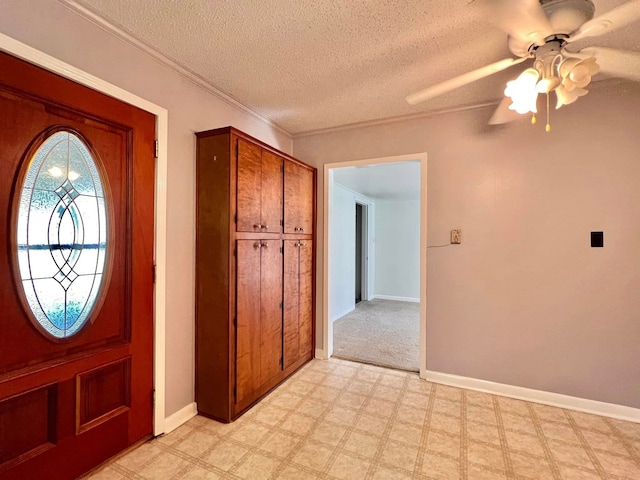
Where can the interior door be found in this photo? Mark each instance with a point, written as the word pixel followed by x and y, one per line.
pixel 76 274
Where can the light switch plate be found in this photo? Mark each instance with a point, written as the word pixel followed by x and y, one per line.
pixel 456 236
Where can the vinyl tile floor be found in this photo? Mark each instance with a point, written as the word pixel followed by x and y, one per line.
pixel 341 420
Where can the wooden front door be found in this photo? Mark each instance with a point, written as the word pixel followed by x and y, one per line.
pixel 76 274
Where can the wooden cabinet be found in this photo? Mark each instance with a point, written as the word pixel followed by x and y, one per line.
pixel 255 293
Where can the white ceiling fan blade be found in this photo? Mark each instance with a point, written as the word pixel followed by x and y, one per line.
pixel 503 114
pixel 462 80
pixel 607 22
pixel 619 63
pixel 523 20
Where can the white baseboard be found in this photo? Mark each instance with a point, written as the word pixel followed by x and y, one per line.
pixel 321 354
pixel 397 299
pixel 339 315
pixel 595 407
pixel 181 416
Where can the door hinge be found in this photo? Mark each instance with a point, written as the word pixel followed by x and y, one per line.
pixel 235 218
pixel 281 223
pixel 235 393
pixel 154 273
pixel 235 252
pixel 281 249
pixel 155 149
pixel 281 305
pixel 235 322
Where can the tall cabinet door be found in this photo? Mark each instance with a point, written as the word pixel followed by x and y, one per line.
pixel 271 193
pixel 270 309
pixel 298 284
pixel 248 374
pixel 298 198
pixel 305 308
pixel 249 188
pixel 259 190
pixel 291 301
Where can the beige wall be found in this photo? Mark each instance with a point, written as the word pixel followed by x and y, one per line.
pixel 54 29
pixel 525 300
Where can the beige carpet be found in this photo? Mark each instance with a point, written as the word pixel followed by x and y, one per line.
pixel 380 332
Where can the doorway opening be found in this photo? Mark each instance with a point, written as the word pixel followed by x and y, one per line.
pixel 375 229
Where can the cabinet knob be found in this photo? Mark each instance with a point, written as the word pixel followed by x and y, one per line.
pixel 303 244
pixel 265 227
pixel 301 229
pixel 257 245
pixel 257 225
pixel 264 244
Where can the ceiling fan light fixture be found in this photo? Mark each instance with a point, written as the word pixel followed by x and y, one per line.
pixel 522 91
pixel 547 84
pixel 565 97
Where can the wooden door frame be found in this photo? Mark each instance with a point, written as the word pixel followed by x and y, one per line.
pixel 327 326
pixel 41 59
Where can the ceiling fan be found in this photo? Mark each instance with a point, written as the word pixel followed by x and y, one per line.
pixel 543 30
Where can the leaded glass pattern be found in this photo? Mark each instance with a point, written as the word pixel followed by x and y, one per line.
pixel 62 234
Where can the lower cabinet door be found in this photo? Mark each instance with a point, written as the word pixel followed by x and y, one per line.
pixel 259 315
pixel 291 301
pixel 305 304
pixel 298 285
pixel 248 318
pixel 270 309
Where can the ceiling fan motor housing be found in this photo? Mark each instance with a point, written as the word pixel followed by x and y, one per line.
pixel 565 17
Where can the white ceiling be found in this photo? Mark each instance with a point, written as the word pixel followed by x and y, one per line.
pixel 315 64
pixel 391 181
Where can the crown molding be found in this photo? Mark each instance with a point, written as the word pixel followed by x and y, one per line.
pixel 120 32
pixel 397 119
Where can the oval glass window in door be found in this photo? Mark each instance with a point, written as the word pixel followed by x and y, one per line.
pixel 62 232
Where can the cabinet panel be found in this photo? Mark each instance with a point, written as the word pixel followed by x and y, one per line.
pixel 291 301
pixel 305 323
pixel 248 376
pixel 249 175
pixel 271 193
pixel 298 198
pixel 270 308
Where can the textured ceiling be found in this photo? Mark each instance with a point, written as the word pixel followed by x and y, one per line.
pixel 310 65
pixel 390 181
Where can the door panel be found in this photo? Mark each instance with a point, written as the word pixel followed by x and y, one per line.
pixel 249 171
pixel 248 318
pixel 298 198
pixel 291 301
pixel 48 387
pixel 306 297
pixel 271 198
pixel 270 308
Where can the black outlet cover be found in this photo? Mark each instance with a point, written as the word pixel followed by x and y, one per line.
pixel 597 239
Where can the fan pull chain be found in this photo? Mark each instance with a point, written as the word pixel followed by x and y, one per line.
pixel 534 120
pixel 548 127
